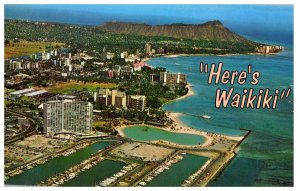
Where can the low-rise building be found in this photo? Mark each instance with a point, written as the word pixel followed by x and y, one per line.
pixel 154 78
pixel 116 70
pixel 46 56
pixel 124 54
pixel 18 78
pixel 13 65
pixel 138 66
pixel 107 55
pixel 23 121
pixel 132 58
pixel 67 62
pixel 268 49
pixel 126 70
pixel 110 73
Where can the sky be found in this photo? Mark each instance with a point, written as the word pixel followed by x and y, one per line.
pixel 267 22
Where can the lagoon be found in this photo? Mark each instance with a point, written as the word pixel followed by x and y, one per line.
pixel 147 133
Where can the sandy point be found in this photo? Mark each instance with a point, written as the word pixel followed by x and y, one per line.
pixel 186 129
pixel 180 127
pixel 189 93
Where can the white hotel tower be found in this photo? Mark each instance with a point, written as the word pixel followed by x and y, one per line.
pixel 68 116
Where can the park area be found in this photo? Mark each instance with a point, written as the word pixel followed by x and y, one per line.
pixel 71 86
pixel 26 48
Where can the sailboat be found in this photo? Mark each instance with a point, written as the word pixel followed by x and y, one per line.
pixel 205 116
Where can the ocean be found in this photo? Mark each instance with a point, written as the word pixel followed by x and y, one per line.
pixel 265 158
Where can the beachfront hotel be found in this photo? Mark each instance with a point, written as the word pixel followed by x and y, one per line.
pixel 169 78
pixel 147 50
pixel 108 97
pixel 137 102
pixel 67 116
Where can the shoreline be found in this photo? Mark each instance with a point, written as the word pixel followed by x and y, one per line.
pixel 205 54
pixel 182 130
pixel 175 116
pixel 180 127
pixel 188 94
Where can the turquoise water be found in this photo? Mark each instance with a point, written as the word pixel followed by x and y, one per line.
pixel 270 144
pixel 179 172
pixel 245 177
pixel 52 167
pixel 144 133
pixel 96 174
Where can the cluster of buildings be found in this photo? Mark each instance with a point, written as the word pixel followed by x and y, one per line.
pixel 148 52
pixel 268 49
pixel 59 57
pixel 72 64
pixel 63 113
pixel 106 97
pixel 12 64
pixel 127 70
pixel 67 115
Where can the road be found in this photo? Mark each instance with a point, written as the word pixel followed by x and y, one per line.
pixel 32 129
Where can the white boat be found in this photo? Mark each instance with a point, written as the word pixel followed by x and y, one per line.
pixel 142 183
pixel 205 116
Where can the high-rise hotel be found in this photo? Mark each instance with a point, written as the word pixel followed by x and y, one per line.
pixel 68 116
pixel 119 99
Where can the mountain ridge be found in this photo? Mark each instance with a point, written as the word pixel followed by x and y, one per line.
pixel 211 30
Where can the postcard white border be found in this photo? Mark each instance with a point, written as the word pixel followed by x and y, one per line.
pixel 296 86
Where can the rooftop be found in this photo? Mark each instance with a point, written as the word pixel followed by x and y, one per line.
pixel 34 93
pixel 22 91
